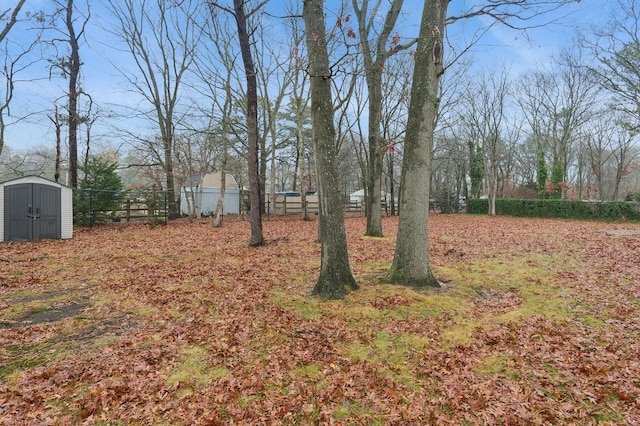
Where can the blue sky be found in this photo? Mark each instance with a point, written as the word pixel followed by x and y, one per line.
pixel 518 51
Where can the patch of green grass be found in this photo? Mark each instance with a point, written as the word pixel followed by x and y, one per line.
pixel 17 358
pixel 306 307
pixel 430 306
pixel 128 304
pixel 531 276
pixel 194 371
pixel 353 409
pixel 312 371
pixel 104 341
pixel 392 351
pixel 387 297
pixel 497 364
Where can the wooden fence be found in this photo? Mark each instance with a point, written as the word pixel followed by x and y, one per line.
pixel 287 204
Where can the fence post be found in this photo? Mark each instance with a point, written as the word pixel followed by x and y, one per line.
pixel 166 206
pixel 91 215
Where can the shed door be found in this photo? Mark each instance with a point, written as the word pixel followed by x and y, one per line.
pixel 32 212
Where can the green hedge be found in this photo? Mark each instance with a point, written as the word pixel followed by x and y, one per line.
pixel 566 209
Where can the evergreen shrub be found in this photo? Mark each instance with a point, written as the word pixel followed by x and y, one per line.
pixel 564 209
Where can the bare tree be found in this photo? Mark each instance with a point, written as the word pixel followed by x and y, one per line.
pixel 225 106
pixel 411 260
pixel 18 163
pixel 609 145
pixel 57 124
pixel 161 40
pixel 617 48
pixel 12 62
pixel 275 75
pixel 555 104
pixel 300 110
pixel 74 91
pixel 255 214
pixel 485 104
pixel 69 66
pixel 9 17
pixel 217 75
pixel 377 46
pixel 396 87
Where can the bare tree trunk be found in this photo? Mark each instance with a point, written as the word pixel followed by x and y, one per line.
pixel 255 214
pixel 335 279
pixel 374 60
pixel 217 214
pixel 411 260
pixel 74 72
pixel 216 222
pixel 58 126
pixel 301 152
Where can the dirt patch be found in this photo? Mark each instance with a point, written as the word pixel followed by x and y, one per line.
pixel 38 330
pixel 52 314
pixel 48 307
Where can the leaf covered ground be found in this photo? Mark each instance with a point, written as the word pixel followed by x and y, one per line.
pixel 538 322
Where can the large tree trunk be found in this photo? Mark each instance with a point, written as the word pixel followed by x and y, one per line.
pixel 335 279
pixel 172 204
pixel 255 214
pixel 411 261
pixel 74 72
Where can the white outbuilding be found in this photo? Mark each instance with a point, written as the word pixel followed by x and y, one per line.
pixel 35 208
pixel 199 196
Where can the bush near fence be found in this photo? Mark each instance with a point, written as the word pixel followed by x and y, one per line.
pixel 565 209
pixel 92 207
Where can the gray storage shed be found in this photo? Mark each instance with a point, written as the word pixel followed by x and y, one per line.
pixel 35 208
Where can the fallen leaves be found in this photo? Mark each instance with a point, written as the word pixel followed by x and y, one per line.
pixel 538 324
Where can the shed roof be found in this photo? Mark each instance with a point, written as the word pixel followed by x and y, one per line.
pixel 211 180
pixel 33 178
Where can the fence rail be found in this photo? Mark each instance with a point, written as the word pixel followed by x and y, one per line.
pixel 286 204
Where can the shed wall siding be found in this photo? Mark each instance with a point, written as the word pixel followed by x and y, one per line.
pixel 207 199
pixel 66 213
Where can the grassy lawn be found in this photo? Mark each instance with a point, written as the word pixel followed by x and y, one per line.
pixel 537 322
